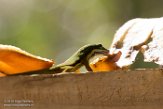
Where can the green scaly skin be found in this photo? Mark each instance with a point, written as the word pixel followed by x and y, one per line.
pixel 76 61
pixel 80 58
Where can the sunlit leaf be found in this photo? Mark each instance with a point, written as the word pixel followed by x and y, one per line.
pixel 14 60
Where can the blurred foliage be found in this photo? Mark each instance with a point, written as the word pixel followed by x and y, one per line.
pixel 57 28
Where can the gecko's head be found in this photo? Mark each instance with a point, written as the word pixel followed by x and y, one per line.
pixel 99 58
pixel 91 50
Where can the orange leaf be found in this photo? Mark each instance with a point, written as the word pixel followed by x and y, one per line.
pixel 106 63
pixel 1 75
pixel 14 60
